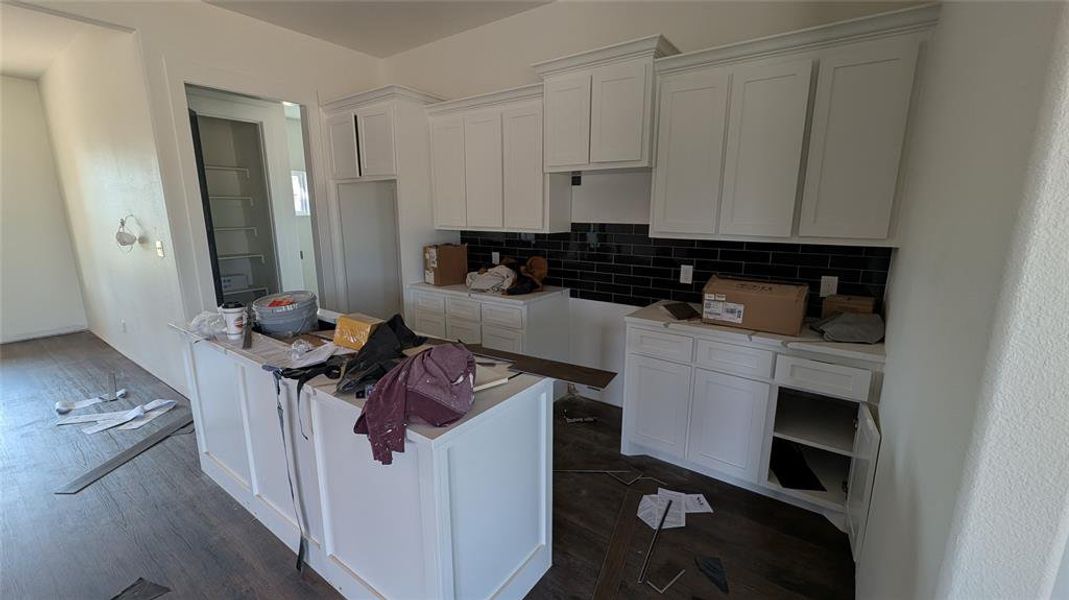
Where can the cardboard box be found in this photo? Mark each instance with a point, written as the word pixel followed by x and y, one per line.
pixel 757 305
pixel 354 330
pixel 445 264
pixel 851 304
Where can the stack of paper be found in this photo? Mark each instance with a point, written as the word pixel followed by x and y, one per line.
pixel 652 506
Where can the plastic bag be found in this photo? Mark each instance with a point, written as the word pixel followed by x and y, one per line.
pixel 208 324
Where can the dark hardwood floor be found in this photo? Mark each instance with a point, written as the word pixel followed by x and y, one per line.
pixel 160 518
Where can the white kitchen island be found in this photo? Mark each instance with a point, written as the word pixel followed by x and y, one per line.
pixel 464 512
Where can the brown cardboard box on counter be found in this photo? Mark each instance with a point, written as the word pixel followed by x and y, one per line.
pixel 851 304
pixel 445 264
pixel 757 305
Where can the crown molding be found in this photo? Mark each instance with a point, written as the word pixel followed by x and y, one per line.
pixel 917 18
pixel 388 92
pixel 516 94
pixel 654 46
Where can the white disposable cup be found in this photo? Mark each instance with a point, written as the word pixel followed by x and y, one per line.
pixel 234 317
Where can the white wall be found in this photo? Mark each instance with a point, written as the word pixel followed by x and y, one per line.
pixel 498 55
pixel 124 145
pixel 964 173
pixel 194 42
pixel 94 95
pixel 39 289
pixel 612 198
pixel 1012 520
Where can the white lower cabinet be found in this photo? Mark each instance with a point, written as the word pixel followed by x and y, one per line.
pixel 534 324
pixel 727 423
pixel 659 394
pixel 717 411
pixel 500 338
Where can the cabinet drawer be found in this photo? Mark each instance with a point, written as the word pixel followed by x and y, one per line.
pixel 429 303
pixel 430 324
pixel 499 338
pixel 506 316
pixel 463 308
pixel 662 345
pixel 739 360
pixel 813 376
pixel 465 331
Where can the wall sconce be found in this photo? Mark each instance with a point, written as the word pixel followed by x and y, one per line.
pixel 124 238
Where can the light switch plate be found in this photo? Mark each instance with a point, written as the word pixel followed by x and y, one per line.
pixel 686 274
pixel 159 248
pixel 829 286
pixel 495 257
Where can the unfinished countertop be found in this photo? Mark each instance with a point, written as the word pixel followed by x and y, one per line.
pixel 462 290
pixel 807 341
pixel 266 350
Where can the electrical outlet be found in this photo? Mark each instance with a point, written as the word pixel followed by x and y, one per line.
pixel 495 257
pixel 159 248
pixel 829 286
pixel 686 274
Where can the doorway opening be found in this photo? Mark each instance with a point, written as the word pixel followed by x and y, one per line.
pixel 257 201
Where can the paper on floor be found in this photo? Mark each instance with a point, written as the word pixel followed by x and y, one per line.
pixel 125 419
pixel 651 509
pixel 696 503
pixel 161 406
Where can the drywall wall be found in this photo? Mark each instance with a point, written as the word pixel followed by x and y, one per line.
pixel 94 96
pixel 599 340
pixel 194 42
pixel 39 296
pixel 612 198
pixel 1061 583
pixel 1012 521
pixel 980 87
pixel 498 55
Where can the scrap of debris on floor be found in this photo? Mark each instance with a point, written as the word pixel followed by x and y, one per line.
pixel 667 509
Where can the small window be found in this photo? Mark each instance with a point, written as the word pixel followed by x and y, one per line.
pixel 300 193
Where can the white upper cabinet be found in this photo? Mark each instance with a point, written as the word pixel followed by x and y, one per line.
pixel 599 106
pixel 447 172
pixel 690 148
pixel 486 165
pixel 522 157
pixel 813 123
pixel 859 124
pixel 374 129
pixel 341 133
pixel 766 127
pixel 619 112
pixel 567 101
pixel 482 169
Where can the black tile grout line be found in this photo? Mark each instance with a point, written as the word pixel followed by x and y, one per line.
pixel 620 263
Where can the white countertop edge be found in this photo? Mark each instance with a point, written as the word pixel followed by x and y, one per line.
pixel 871 353
pixel 460 290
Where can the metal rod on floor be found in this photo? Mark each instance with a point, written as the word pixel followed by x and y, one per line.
pixel 653 540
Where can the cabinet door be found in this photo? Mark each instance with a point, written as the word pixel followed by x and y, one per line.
pixel 341 131
pixel 859 123
pixel 690 151
pixel 659 397
pixel 482 168
pixel 764 147
pixel 447 172
pixel 862 472
pixel 727 423
pixel 619 113
pixel 222 423
pixel 499 338
pixel 567 126
pixel 374 129
pixel 524 201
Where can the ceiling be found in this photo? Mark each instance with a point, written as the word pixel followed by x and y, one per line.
pixel 378 28
pixel 31 40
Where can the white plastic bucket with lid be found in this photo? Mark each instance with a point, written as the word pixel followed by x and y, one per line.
pixel 298 315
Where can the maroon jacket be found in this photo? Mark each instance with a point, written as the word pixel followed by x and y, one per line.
pixel 434 386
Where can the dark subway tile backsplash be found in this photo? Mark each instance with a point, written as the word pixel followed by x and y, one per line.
pixel 621 263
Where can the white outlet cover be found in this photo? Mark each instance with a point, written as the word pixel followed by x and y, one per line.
pixel 159 248
pixel 829 286
pixel 686 274
pixel 495 257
